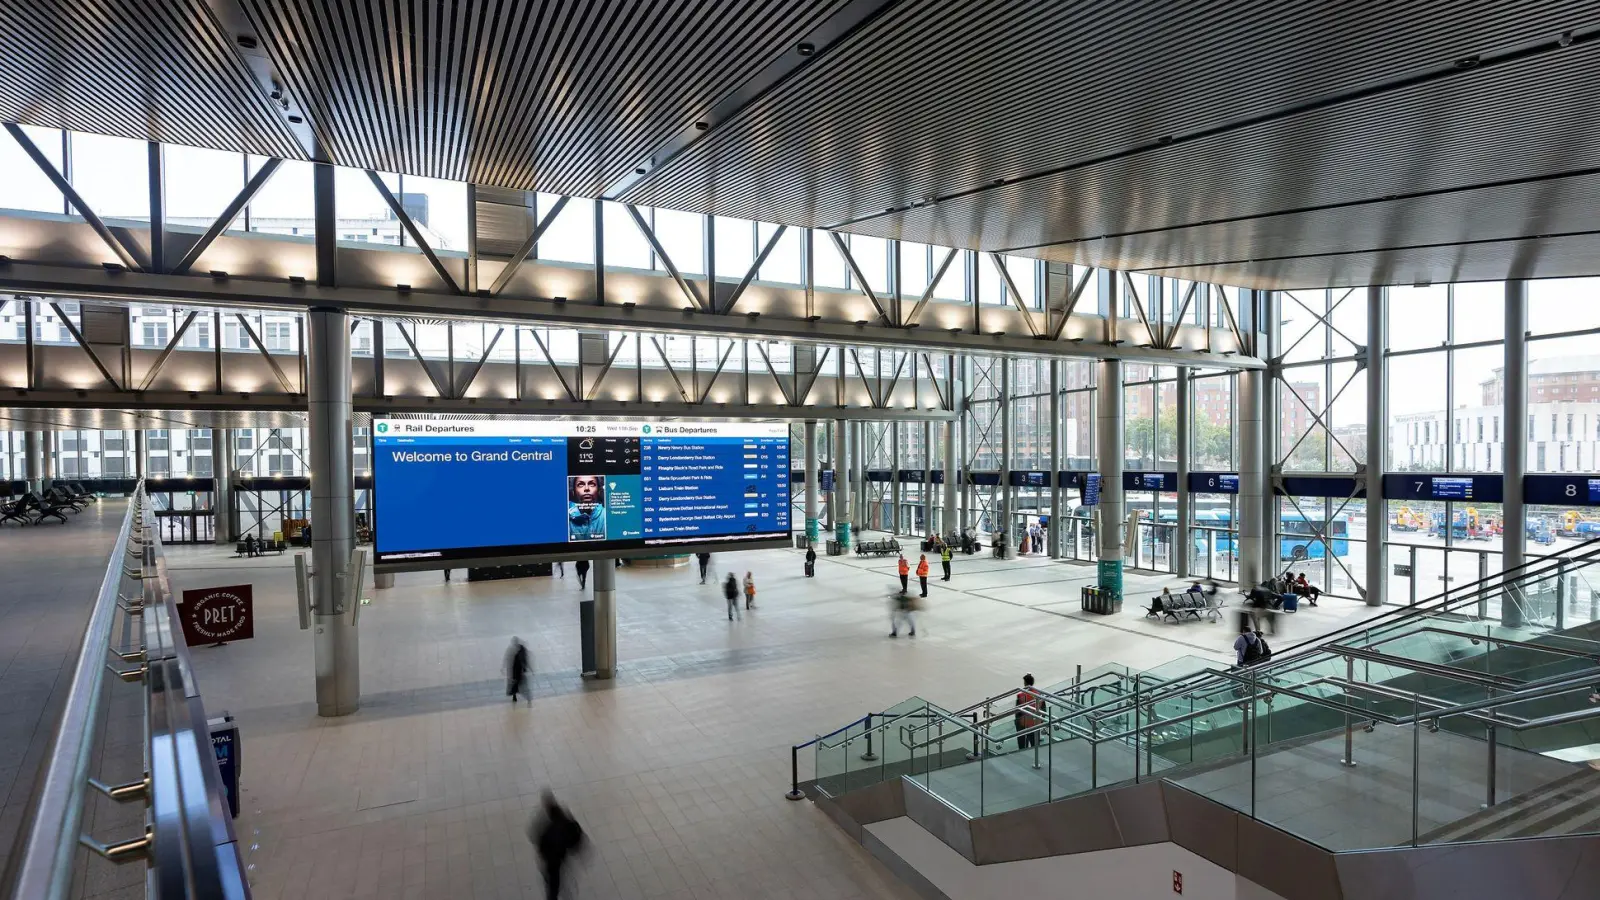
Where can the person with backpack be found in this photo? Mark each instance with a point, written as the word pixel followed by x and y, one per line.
pixel 922 573
pixel 905 573
pixel 1248 648
pixel 730 591
pixel 749 591
pixel 944 560
pixel 811 562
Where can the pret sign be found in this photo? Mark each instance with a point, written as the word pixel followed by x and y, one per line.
pixel 218 614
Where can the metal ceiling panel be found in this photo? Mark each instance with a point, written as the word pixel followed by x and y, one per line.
pixel 70 419
pixel 144 69
pixel 1552 257
pixel 565 96
pixel 939 97
pixel 1522 120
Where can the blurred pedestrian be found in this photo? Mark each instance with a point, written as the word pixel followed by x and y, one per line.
pixel 905 573
pixel 749 591
pixel 516 669
pixel 582 568
pixel 556 836
pixel 705 565
pixel 561 568
pixel 900 607
pixel 730 591
pixel 922 573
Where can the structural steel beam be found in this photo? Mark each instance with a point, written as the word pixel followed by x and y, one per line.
pixel 231 212
pixel 141 287
pixel 649 233
pixel 521 254
pixel 122 250
pixel 415 232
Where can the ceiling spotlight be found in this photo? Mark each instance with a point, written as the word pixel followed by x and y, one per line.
pixel 806 49
pixel 701 126
pixel 1565 40
pixel 689 309
pixel 246 41
pixel 297 280
pixel 559 299
pixel 403 288
pixel 639 171
pixel 295 120
pixel 752 315
pixel 861 323
pixel 813 318
pixel 954 330
pixel 111 267
pixel 219 274
pixel 997 334
pixel 628 304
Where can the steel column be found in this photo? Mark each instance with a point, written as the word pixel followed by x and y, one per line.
pixel 1182 546
pixel 1007 492
pixel 839 504
pixel 813 533
pixel 1253 479
pixel 158 207
pixel 949 516
pixel 326 225
pixel 1377 445
pixel 337 648
pixel 927 480
pixel 222 486
pixel 1514 538
pixel 858 472
pixel 138 453
pixel 605 618
pixel 1109 448
pixel 894 478
pixel 1052 535
pixel 33 449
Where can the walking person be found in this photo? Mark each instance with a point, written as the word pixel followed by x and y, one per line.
pixel 516 669
pixel 749 591
pixel 556 836
pixel 1026 718
pixel 582 568
pixel 561 568
pixel 811 562
pixel 900 606
pixel 922 573
pixel 905 573
pixel 730 591
pixel 944 560
pixel 705 565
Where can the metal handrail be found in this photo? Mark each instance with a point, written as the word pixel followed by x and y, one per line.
pixel 44 861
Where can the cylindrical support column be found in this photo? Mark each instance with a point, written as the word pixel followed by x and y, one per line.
pixel 50 453
pixel 222 486
pixel 1008 494
pixel 840 504
pixel 858 481
pixel 1182 545
pixel 1377 446
pixel 927 480
pixel 813 533
pixel 1514 538
pixel 33 450
pixel 893 524
pixel 1109 448
pixel 138 453
pixel 605 618
pixel 1253 486
pixel 333 534
pixel 949 515
pixel 1052 536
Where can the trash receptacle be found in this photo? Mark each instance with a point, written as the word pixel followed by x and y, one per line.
pixel 586 637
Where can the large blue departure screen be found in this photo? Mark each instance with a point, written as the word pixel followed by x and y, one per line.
pixel 450 490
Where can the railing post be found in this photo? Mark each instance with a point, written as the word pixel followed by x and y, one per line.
pixel 794 774
pixel 1094 753
pixel 869 756
pixel 1135 729
pixel 1416 763
pixel 1349 721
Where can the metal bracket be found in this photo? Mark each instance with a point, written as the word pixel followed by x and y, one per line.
pixel 122 851
pixel 124 793
pixel 129 675
pixel 132 609
pixel 127 655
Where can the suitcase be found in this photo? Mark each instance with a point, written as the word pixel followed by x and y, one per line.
pixel 811 569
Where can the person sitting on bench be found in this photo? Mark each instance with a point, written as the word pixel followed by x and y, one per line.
pixel 1306 589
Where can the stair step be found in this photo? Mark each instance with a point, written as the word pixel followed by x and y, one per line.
pixel 1531 813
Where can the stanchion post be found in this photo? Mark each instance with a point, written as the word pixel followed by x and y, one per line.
pixel 869 756
pixel 794 774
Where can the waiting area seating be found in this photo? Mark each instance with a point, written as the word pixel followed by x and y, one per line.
pixel 35 509
pixel 888 547
pixel 254 546
pixel 1185 606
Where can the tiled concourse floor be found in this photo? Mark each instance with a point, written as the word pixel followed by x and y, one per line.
pixel 677 768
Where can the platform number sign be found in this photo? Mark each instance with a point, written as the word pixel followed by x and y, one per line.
pixel 1177 882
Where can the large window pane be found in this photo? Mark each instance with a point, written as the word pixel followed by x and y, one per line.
pixel 828 265
pixel 285 204
pixel 571 237
pixel 953 285
pixel 1417 317
pixel 112 175
pixel 1563 304
pixel 25 186
pixel 439 208
pixel 1417 408
pixel 735 246
pixel 625 245
pixel 363 215
pixel 1212 407
pixel 200 183
pixel 683 237
pixel 1476 443
pixel 782 265
pixel 1480 311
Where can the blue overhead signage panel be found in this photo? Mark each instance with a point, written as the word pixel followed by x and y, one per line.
pixel 1030 479
pixel 1457 488
pixel 909 476
pixel 826 480
pixel 988 479
pixel 1320 486
pixel 1150 481
pixel 563 487
pixel 1213 483
pixel 1562 490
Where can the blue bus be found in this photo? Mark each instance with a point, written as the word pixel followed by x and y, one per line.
pixel 1298 537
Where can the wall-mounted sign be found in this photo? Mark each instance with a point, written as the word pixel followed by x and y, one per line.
pixel 1091 489
pixel 1213 483
pixel 1463 488
pixel 218 615
pixel 1150 481
pixel 827 481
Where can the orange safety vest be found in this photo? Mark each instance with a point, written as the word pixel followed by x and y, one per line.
pixel 905 567
pixel 1026 703
pixel 922 568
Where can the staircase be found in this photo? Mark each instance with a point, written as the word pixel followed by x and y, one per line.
pixel 1568 806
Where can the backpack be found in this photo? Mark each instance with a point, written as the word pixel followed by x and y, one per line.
pixel 1266 652
pixel 1254 651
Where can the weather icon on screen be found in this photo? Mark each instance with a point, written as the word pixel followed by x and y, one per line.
pixel 586 444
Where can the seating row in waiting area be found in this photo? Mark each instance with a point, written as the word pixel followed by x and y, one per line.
pixel 53 503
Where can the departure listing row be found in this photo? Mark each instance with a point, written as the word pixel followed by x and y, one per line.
pixel 454 490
